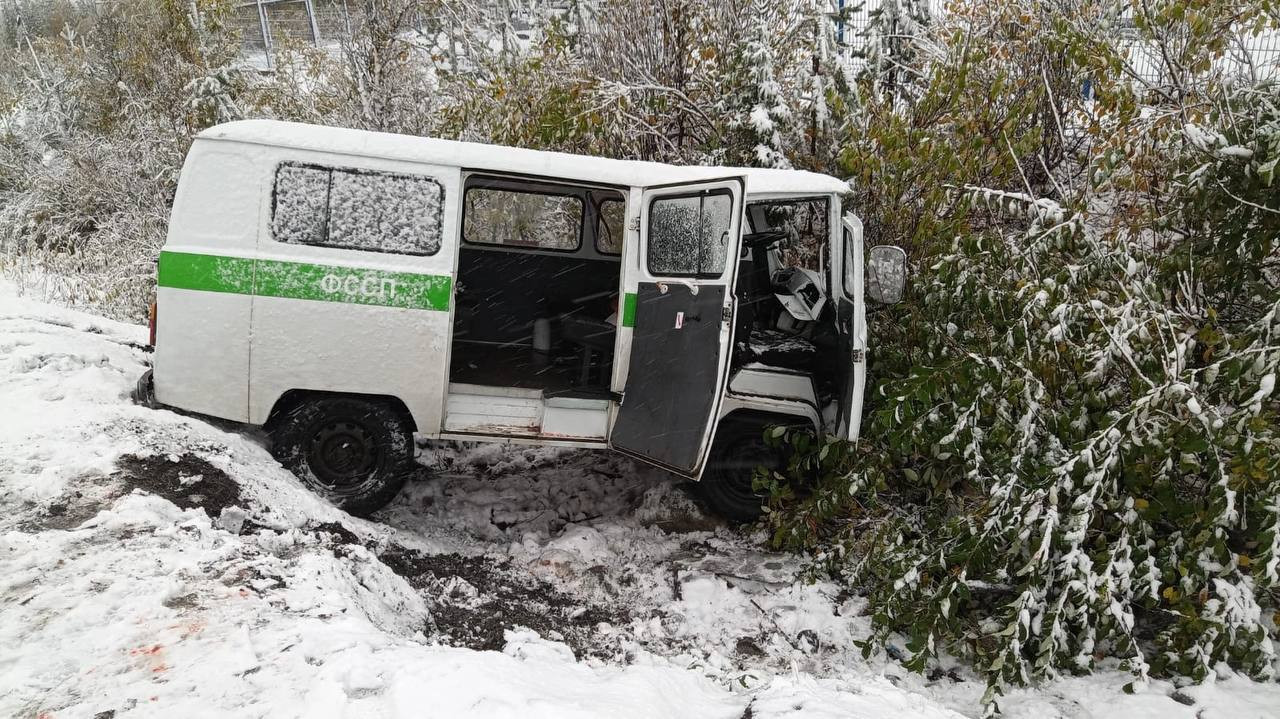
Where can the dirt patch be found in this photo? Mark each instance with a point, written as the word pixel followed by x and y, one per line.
pixel 186 480
pixel 338 533
pixel 476 599
pixel 72 509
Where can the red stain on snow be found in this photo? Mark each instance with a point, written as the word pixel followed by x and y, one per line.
pixel 187 628
pixel 154 649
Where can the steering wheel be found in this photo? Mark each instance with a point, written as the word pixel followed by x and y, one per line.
pixel 765 240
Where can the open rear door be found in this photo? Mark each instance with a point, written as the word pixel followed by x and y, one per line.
pixel 680 346
pixel 851 326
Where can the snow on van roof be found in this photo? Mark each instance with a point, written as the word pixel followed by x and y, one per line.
pixel 478 156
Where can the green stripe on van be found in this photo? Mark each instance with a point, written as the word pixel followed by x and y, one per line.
pixel 629 309
pixel 209 273
pixel 304 281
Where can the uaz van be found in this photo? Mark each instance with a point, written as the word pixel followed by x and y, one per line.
pixel 346 289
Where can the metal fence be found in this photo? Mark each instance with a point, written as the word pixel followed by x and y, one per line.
pixel 265 25
pixel 1255 56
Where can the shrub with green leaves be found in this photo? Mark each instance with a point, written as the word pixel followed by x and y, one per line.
pixel 1083 461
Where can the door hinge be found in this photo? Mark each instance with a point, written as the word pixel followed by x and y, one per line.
pixel 857 356
pixel 617 397
pixel 726 313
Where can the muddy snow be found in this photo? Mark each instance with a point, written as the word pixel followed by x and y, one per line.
pixel 155 564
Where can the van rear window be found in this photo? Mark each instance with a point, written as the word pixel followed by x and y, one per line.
pixel 357 209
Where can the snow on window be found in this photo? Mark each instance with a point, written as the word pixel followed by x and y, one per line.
pixel 302 195
pixel 610 226
pixel 690 235
pixel 357 210
pixel 522 219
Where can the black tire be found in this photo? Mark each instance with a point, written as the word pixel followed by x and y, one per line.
pixel 725 486
pixel 354 452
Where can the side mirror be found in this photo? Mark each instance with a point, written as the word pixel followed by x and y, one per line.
pixel 887 274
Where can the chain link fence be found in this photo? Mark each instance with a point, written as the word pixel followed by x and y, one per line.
pixel 1256 57
pixel 266 24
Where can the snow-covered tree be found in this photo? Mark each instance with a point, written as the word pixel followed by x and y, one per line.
pixel 892 42
pixel 768 114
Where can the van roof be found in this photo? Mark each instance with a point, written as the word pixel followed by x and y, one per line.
pixel 478 156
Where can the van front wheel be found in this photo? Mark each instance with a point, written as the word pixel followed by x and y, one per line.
pixel 726 484
pixel 353 452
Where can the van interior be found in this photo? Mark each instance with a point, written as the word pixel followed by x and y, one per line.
pixel 782 236
pixel 537 306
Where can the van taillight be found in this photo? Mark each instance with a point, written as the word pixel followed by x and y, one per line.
pixel 151 325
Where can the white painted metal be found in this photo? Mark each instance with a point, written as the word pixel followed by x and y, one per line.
pixel 512 411
pixel 343 347
pixel 791 408
pixel 567 417
pixel 477 156
pixel 852 254
pixel 489 410
pixel 201 363
pixel 761 382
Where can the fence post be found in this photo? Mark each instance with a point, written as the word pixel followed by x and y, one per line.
pixel 311 17
pixel 266 31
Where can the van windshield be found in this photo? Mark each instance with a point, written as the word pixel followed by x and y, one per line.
pixel 806 223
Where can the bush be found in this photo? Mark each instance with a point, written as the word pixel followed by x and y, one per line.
pixel 1074 454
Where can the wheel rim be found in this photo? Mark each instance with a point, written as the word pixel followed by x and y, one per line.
pixel 738 465
pixel 342 456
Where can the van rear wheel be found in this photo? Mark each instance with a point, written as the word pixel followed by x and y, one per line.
pixel 726 484
pixel 353 452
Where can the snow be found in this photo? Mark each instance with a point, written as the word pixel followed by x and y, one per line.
pixel 115 599
pixel 687 235
pixel 360 210
pixel 478 156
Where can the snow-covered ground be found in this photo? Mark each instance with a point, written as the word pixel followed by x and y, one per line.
pixel 153 564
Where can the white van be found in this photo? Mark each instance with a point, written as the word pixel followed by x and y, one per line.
pixel 347 289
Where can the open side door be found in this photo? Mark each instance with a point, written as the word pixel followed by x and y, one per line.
pixel 851 327
pixel 682 338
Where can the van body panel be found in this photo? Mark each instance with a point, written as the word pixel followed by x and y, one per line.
pixel 345 320
pixel 201 362
pixel 339 347
pixel 801 410
pixel 771 383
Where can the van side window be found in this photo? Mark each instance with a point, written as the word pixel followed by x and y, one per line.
pixel 610 222
pixel 536 220
pixel 357 209
pixel 688 234
pixel 850 266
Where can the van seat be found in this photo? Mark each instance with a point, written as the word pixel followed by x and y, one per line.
pixel 779 349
